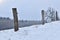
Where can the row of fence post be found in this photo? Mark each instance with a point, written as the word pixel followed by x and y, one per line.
pixel 16 18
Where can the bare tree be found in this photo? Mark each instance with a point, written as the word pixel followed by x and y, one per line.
pixel 51 15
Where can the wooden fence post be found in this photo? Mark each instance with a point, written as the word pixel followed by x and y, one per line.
pixel 43 22
pixel 57 16
pixel 15 19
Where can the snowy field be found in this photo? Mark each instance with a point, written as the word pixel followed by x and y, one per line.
pixel 49 31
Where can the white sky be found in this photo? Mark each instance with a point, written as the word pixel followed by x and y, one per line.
pixel 27 9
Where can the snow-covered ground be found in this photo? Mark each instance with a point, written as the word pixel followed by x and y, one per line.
pixel 49 31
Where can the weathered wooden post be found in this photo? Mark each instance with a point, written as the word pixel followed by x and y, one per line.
pixel 57 16
pixel 43 22
pixel 15 19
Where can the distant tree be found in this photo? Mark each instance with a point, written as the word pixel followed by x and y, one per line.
pixel 0 17
pixel 22 21
pixel 5 18
pixel 8 18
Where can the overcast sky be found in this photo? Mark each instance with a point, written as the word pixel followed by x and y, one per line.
pixel 27 9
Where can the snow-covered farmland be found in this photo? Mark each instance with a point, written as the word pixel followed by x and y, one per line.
pixel 49 31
